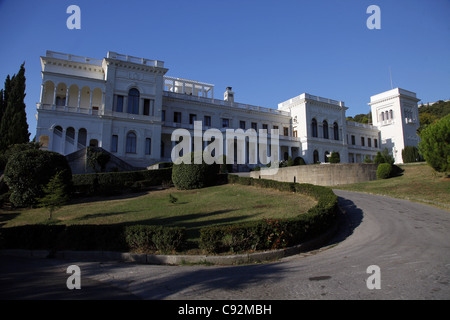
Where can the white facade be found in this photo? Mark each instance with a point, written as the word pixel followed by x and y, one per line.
pixel 128 106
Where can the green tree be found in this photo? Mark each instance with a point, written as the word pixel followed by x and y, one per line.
pixel 96 156
pixel 384 157
pixel 55 194
pixel 2 105
pixel 435 144
pixel 335 157
pixel 27 172
pixel 411 154
pixel 14 126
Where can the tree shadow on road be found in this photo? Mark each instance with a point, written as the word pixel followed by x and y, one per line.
pixel 350 218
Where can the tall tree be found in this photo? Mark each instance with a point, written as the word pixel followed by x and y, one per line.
pixel 2 105
pixel 14 126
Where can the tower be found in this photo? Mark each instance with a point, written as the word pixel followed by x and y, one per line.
pixel 396 115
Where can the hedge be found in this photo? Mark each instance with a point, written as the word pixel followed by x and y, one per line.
pixel 273 233
pixel 256 235
pixel 117 182
pixel 133 238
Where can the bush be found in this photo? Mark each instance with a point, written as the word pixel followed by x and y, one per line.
pixel 186 176
pixel 27 172
pixel 384 171
pixel 110 183
pixel 411 154
pixel 435 144
pixel 299 161
pixel 384 157
pixel 335 157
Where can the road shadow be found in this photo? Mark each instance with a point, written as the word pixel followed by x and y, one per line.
pixel 188 282
pixel 349 219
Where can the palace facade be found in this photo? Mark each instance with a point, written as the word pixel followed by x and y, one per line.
pixel 129 107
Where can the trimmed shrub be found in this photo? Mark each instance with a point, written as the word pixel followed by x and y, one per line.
pixel 110 183
pixel 384 171
pixel 299 161
pixel 411 154
pixel 186 176
pixel 27 172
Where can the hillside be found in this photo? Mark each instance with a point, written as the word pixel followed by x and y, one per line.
pixel 428 114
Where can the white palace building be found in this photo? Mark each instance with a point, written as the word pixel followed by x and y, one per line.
pixel 129 107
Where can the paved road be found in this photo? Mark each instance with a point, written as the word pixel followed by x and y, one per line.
pixel 409 242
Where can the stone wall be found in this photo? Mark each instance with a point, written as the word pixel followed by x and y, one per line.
pixel 321 174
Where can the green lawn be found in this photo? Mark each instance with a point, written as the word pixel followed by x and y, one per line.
pixel 216 205
pixel 419 182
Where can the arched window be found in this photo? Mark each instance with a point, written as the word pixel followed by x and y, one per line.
pixel 133 101
pixel 325 129
pixel 336 131
pixel 391 114
pixel 82 137
pixel 131 143
pixel 314 128
pixel 316 156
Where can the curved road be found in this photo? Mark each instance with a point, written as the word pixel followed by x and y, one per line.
pixel 409 242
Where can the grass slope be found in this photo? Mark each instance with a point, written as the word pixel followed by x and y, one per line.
pixel 419 182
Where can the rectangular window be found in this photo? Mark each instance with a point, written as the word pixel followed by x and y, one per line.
pixel 119 104
pixel 225 123
pixel 255 126
pixel 148 146
pixel 242 125
pixel 369 142
pixel 275 127
pixel 207 121
pixel 295 133
pixel 375 142
pixel 286 131
pixel 192 118
pixel 177 117
pixel 163 115
pixel 353 140
pixel 362 141
pixel 148 107
pixel 114 143
pixel 265 126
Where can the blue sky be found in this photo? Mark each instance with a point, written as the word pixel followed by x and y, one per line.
pixel 268 51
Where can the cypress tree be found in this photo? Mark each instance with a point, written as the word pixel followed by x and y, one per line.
pixel 14 126
pixel 2 107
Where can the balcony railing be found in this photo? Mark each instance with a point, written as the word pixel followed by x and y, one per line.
pixel 225 103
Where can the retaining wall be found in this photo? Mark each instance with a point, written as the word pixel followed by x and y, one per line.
pixel 321 174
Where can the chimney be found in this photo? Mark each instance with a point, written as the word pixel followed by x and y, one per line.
pixel 228 95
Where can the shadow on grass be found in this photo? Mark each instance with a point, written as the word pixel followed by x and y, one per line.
pixel 6 216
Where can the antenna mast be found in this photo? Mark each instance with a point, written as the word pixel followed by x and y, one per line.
pixel 390 77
